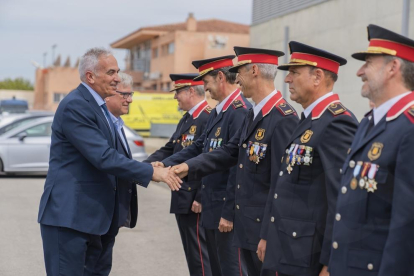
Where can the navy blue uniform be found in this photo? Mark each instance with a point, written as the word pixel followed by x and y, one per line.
pixel 193 237
pixel 256 149
pixel 301 203
pixel 374 226
pixel 218 190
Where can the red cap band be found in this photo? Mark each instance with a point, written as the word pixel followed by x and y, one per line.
pixel 392 48
pixel 258 58
pixel 189 82
pixel 316 61
pixel 216 65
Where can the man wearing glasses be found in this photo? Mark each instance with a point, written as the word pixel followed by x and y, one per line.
pixel 185 203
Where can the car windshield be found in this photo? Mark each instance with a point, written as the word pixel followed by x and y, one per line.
pixel 15 124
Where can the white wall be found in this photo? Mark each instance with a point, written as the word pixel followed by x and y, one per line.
pixel 19 94
pixel 337 26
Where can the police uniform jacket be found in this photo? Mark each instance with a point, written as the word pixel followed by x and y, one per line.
pixel 217 193
pixel 256 149
pixel 301 204
pixel 374 226
pixel 189 129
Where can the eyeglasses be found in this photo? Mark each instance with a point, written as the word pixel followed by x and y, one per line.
pixel 126 95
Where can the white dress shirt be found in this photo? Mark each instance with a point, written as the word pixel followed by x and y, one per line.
pixel 379 112
pixel 259 106
pixel 309 109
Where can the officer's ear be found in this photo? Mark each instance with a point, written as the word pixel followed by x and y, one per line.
pixel 221 76
pixel 255 70
pixel 318 76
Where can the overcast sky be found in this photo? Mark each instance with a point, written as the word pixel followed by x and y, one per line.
pixel 29 28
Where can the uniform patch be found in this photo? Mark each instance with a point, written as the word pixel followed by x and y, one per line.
pixel 411 111
pixel 218 130
pixel 286 108
pixel 336 108
pixel 375 151
pixel 208 109
pixel 306 136
pixel 260 134
pixel 237 104
pixel 193 129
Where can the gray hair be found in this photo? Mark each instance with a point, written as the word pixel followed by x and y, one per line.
pixel 230 76
pixel 126 80
pixel 407 70
pixel 267 71
pixel 89 61
pixel 199 89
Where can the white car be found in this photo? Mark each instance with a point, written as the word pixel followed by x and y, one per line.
pixel 26 149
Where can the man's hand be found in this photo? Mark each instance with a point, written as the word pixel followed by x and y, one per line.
pixel 196 208
pixel 168 176
pixel 157 164
pixel 225 225
pixel 261 250
pixel 324 271
pixel 181 170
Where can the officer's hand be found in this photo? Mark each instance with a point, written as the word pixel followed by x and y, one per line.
pixel 168 176
pixel 196 208
pixel 181 170
pixel 261 250
pixel 225 225
pixel 157 164
pixel 324 271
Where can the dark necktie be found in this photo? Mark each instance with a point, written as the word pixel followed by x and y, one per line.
pixel 111 124
pixel 370 125
pixel 302 117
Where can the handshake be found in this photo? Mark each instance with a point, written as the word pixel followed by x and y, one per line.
pixel 170 175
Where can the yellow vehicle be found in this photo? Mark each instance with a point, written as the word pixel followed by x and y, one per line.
pixel 149 108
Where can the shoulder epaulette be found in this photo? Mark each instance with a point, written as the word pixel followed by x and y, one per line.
pixel 237 104
pixel 285 108
pixel 409 113
pixel 336 108
pixel 208 109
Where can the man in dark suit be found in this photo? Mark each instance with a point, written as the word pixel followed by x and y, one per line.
pixel 256 148
pixel 374 221
pixel 78 211
pixel 185 203
pixel 301 205
pixel 218 190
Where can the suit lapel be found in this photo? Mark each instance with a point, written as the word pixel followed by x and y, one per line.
pixel 215 121
pixel 302 126
pixel 127 149
pixel 253 125
pixel 187 124
pixel 375 131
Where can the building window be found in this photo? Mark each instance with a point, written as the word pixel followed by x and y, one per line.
pixel 168 86
pixel 57 97
pixel 155 53
pixel 171 48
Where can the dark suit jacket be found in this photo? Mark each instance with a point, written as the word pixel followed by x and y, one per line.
pixel 301 205
pixel 374 230
pixel 217 193
pixel 81 183
pixel 272 127
pixel 182 200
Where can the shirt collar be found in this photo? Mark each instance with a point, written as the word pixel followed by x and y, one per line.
pixel 219 106
pixel 259 106
pixel 309 109
pixel 117 121
pixel 95 95
pixel 379 112
pixel 191 111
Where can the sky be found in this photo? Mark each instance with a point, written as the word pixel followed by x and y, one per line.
pixel 29 28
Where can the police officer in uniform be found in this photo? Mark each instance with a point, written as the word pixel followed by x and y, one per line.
pixel 301 205
pixel 191 98
pixel 256 148
pixel 218 190
pixel 374 221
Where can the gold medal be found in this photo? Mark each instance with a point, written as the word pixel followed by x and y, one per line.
pixel 354 183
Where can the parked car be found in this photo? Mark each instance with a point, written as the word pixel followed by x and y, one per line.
pixel 25 149
pixel 10 121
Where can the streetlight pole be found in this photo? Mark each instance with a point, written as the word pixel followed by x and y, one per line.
pixel 44 59
pixel 53 54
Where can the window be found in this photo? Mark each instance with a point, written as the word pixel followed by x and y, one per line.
pixel 168 86
pixel 57 97
pixel 171 48
pixel 40 130
pixel 155 53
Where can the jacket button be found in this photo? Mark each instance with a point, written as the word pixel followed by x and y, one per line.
pixel 275 196
pixel 115 189
pixel 281 173
pixel 272 219
pixel 294 234
pixel 189 188
pixel 258 220
pixel 224 199
pixel 370 266
pixel 351 163
pixel 204 186
pixel 130 191
pixel 340 171
pixel 344 189
pixel 244 146
pixel 335 245
pixel 238 207
pixel 241 166
pixel 238 186
pixel 178 141
pixel 338 217
pixel 174 142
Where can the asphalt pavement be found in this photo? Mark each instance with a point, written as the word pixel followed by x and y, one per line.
pixel 153 247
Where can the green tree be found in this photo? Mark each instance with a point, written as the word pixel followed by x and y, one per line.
pixel 16 84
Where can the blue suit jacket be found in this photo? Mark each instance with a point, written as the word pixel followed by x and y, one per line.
pixel 84 165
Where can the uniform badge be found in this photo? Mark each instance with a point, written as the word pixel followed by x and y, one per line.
pixel 306 136
pixel 193 129
pixel 411 111
pixel 218 130
pixel 375 151
pixel 260 134
pixel 237 104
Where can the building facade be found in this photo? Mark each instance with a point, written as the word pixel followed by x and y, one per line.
pixel 338 26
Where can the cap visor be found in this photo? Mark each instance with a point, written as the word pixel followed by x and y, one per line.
pixel 236 67
pixel 285 67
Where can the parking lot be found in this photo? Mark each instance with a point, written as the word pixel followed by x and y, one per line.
pixel 152 248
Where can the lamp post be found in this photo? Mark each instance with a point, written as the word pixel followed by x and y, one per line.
pixel 53 53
